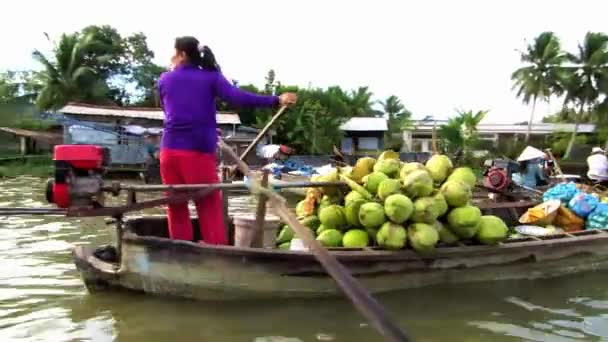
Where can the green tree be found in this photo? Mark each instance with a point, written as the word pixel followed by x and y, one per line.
pixel 461 131
pixel 398 118
pixel 68 75
pixel 146 79
pixel 360 101
pixel 583 81
pixel 9 88
pixel 537 78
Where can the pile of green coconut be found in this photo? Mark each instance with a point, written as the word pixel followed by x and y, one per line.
pixel 395 205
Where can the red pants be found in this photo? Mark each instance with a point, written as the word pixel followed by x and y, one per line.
pixel 191 167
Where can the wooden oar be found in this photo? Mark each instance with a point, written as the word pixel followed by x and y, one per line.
pixel 362 300
pixel 262 133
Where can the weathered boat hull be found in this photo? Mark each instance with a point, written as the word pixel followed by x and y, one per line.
pixel 160 266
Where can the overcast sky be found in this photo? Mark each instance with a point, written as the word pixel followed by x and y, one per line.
pixel 435 55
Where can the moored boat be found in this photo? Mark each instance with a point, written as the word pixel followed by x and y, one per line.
pixel 150 262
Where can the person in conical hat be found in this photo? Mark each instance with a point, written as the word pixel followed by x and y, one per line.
pixel 598 165
pixel 530 153
pixel 531 173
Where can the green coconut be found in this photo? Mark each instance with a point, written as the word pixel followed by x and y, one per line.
pixel 389 187
pixel 355 238
pixel 333 216
pixel 465 175
pixel 389 167
pixel 371 215
pixel 456 193
pixel 352 212
pixel 391 236
pixel 445 235
pixel 418 184
pixel 423 237
pixel 464 221
pixel 491 230
pixel 330 238
pixel 398 208
pixel 373 181
pixel 439 167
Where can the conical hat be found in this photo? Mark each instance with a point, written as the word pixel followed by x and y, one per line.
pixel 530 153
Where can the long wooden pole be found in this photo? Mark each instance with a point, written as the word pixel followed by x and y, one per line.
pixel 221 186
pixel 262 133
pixel 362 300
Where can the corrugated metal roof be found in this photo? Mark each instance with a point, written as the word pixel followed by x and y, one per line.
pixel 137 113
pixel 537 128
pixel 365 124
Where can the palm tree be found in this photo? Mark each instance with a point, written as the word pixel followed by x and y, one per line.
pixel 536 79
pixel 586 77
pixel 399 119
pixel 360 101
pixel 69 75
pixel 461 130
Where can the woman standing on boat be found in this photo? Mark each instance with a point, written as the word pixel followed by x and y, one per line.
pixel 188 148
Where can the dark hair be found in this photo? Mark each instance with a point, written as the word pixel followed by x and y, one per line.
pixel 200 56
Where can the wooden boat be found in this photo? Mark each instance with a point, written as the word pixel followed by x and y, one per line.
pixel 152 263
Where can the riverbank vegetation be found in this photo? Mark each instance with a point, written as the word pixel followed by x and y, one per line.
pixel 99 65
pixel 36 166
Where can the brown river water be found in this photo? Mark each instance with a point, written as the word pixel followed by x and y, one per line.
pixel 43 299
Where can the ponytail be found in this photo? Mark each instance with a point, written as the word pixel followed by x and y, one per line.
pixel 198 55
pixel 208 59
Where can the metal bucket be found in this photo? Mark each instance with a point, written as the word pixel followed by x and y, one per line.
pixel 246 233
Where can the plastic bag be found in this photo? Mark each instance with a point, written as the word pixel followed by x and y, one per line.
pixel 563 192
pixel 598 219
pixel 567 220
pixel 583 204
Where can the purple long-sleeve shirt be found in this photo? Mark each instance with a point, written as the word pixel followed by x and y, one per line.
pixel 188 95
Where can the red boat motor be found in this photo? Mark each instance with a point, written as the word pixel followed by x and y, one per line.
pixel 498 174
pixel 78 180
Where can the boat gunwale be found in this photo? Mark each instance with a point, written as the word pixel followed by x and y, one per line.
pixel 369 254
